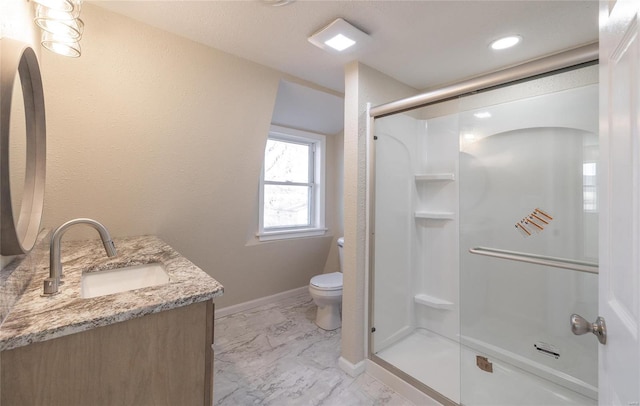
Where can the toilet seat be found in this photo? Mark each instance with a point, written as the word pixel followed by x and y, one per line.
pixel 327 281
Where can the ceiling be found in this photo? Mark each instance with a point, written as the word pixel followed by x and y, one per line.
pixel 420 43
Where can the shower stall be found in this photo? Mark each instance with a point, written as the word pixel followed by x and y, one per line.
pixel 484 241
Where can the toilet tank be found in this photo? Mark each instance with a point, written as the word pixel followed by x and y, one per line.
pixel 340 245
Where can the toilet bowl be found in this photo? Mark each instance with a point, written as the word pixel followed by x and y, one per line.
pixel 326 291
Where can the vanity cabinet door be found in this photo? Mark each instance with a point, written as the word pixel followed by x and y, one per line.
pixel 158 359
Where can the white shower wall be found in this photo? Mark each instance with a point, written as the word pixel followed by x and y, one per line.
pixel 393 305
pixel 528 155
pixel 421 252
pixel 436 248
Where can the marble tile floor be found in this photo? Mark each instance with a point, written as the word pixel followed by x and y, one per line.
pixel 276 355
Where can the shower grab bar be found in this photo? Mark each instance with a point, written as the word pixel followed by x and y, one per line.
pixel 580 266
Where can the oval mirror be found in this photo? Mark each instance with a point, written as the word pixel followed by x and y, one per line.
pixel 17 147
pixel 22 148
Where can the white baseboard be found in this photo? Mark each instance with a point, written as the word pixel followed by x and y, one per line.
pixel 403 388
pixel 240 307
pixel 352 370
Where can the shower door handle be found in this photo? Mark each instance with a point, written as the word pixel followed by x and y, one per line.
pixel 579 326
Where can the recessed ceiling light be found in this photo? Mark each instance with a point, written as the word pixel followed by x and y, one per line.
pixel 339 37
pixel 506 42
pixel 340 42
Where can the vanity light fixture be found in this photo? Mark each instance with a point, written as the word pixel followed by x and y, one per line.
pixel 61 45
pixel 61 25
pixel 339 37
pixel 505 42
pixel 61 5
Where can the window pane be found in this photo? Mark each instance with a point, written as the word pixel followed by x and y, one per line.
pixel 286 162
pixel 286 206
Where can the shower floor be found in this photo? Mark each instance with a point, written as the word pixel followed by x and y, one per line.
pixel 430 358
pixel 435 361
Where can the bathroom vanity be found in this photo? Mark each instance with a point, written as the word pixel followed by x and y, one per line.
pixel 139 347
pixel 133 345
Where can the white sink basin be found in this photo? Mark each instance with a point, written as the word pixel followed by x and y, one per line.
pixel 102 283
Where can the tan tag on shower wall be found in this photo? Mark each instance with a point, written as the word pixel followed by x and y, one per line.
pixel 484 364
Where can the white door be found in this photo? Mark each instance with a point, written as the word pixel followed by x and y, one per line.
pixel 619 290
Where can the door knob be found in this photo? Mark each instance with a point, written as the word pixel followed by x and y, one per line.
pixel 579 326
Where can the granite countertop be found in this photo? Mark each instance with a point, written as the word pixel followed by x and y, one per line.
pixel 35 318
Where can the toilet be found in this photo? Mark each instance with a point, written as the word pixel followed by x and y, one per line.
pixel 326 291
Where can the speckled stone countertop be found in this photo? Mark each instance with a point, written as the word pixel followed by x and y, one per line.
pixel 35 318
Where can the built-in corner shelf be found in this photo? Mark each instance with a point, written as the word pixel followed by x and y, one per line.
pixel 433 302
pixel 434 215
pixel 435 177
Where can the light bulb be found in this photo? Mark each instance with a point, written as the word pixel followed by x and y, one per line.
pixel 61 45
pixel 60 5
pixel 59 23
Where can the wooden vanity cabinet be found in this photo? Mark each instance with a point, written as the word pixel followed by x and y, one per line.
pixel 164 358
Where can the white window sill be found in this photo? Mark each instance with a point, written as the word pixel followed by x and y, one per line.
pixel 288 234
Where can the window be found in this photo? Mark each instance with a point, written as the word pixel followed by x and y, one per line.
pixel 292 185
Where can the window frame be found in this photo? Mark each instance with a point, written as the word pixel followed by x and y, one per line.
pixel 317 154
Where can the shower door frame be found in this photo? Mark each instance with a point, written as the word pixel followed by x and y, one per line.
pixel 564 61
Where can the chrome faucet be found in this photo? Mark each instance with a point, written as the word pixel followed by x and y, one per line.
pixel 52 283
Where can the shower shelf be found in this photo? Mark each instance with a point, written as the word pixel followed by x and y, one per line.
pixel 433 302
pixel 434 215
pixel 564 263
pixel 435 177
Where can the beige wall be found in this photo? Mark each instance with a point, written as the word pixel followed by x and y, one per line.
pixel 150 133
pixel 13 15
pixel 362 85
pixel 335 170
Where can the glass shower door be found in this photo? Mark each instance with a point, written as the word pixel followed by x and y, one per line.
pixel 414 278
pixel 484 242
pixel 528 248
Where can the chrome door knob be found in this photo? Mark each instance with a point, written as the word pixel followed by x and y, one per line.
pixel 579 326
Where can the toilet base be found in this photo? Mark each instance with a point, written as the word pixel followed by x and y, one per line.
pixel 328 317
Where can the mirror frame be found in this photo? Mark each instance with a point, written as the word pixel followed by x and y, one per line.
pixel 18 236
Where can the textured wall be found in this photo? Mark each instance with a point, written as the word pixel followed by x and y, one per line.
pixel 150 133
pixel 362 85
pixel 16 18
